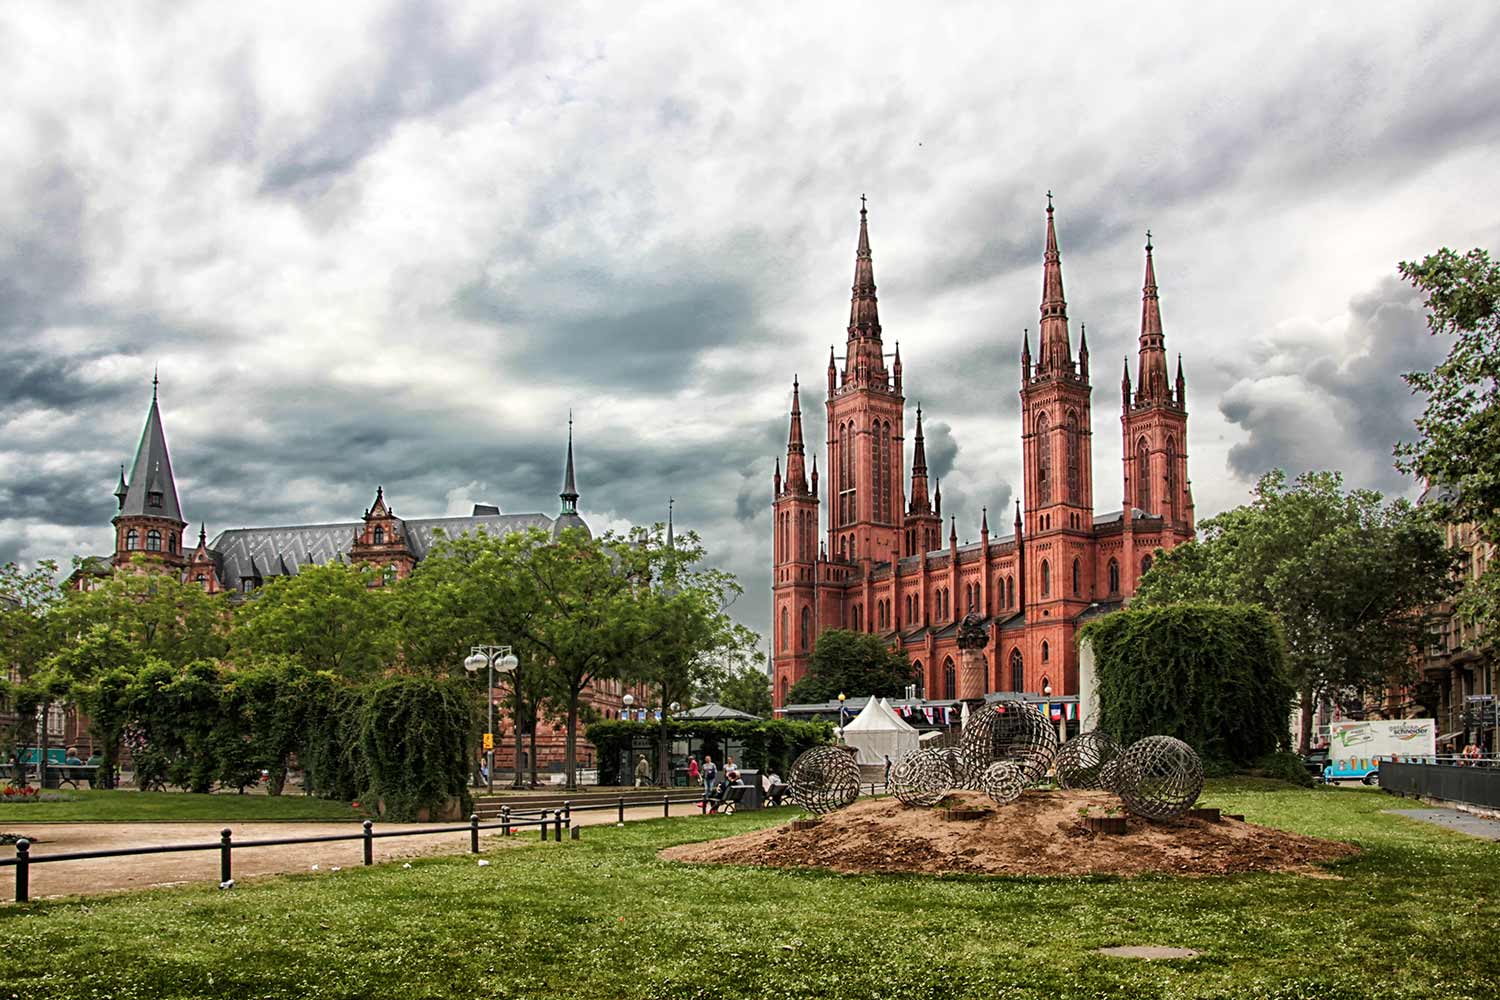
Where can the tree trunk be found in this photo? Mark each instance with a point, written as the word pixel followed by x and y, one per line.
pixel 1307 719
pixel 531 763
pixel 663 757
pixel 515 719
pixel 570 752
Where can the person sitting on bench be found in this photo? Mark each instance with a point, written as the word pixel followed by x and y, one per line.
pixel 715 798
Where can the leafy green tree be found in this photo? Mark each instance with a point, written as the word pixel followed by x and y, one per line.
pixel 159 615
pixel 1346 572
pixel 27 639
pixel 326 617
pixel 746 687
pixel 1458 433
pixel 853 663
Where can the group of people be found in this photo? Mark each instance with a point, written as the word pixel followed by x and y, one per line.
pixel 1472 754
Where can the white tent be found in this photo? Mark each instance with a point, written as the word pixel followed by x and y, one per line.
pixel 877 731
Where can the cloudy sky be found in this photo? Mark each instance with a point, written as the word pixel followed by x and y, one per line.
pixel 394 244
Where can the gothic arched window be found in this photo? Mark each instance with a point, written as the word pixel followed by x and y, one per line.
pixel 1073 450
pixel 806 624
pixel 1010 591
pixel 1142 475
pixel 1171 497
pixel 885 481
pixel 1017 671
pixel 1114 576
pixel 1145 565
pixel 1046 651
pixel 918 674
pixel 153 540
pixel 1046 578
pixel 786 630
pixel 785 687
pixel 171 542
pixel 950 688
pixel 1077 589
pixel 132 539
pixel 1043 460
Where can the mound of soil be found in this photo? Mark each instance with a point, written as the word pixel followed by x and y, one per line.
pixel 1042 833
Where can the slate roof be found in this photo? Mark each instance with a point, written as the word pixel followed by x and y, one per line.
pixel 264 553
pixel 152 474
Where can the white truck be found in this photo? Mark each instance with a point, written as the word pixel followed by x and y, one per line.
pixel 1355 749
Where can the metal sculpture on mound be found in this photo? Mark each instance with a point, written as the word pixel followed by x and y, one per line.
pixel 922 777
pixel 1082 761
pixel 1159 777
pixel 824 779
pixel 1013 731
pixel 1003 781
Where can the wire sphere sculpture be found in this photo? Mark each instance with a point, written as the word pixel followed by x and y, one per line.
pixel 1081 762
pixel 1159 777
pixel 958 768
pixel 922 777
pixel 1013 731
pixel 1003 781
pixel 823 779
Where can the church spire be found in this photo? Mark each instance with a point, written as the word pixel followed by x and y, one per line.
pixel 796 470
pixel 919 502
pixel 864 362
pixel 569 494
pixel 1056 354
pixel 1025 356
pixel 121 489
pixel 1151 378
pixel 152 491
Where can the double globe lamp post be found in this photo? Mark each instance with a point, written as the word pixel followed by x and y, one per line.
pixel 499 658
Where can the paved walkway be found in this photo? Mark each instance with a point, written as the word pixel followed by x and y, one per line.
pixel 103 875
pixel 1454 819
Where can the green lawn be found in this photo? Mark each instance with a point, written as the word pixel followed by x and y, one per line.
pixel 168 807
pixel 1414 916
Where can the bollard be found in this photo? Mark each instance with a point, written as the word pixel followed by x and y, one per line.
pixel 23 870
pixel 573 831
pixel 666 806
pixel 505 821
pixel 556 827
pixel 543 825
pixel 225 871
pixel 568 811
pixel 369 843
pixel 473 833
pixel 622 809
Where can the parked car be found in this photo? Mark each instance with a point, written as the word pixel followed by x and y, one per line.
pixel 1315 761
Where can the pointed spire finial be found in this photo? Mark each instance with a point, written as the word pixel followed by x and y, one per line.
pixel 1148 241
pixel 569 494
pixel 1049 199
pixel 155 381
pixel 984 520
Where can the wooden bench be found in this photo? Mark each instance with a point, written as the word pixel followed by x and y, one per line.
pixel 73 773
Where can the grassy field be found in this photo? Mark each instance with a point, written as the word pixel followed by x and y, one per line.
pixel 1413 916
pixel 169 807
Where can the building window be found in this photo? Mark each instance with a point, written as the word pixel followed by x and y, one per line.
pixel 1142 475
pixel 1043 461
pixel 153 540
pixel 154 498
pixel 806 625
pixel 950 689
pixel 247 584
pixel 379 536
pixel 1010 591
pixel 172 542
pixel 1017 671
pixel 1073 449
pixel 1114 576
pixel 1046 578
pixel 1145 565
pixel 786 630
pixel 785 687
pixel 132 539
pixel 1171 505
pixel 201 580
pixel 1046 651
pixel 1077 588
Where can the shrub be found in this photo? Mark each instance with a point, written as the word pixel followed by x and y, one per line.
pixel 414 737
pixel 1285 766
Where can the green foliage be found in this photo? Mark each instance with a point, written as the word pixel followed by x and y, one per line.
pixel 772 744
pixel 414 734
pixel 852 663
pixel 1213 676
pixel 1284 766
pixel 746 688
pixel 1345 571
pixel 326 617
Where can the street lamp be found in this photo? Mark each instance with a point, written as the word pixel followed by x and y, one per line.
pixel 1047 690
pixel 503 659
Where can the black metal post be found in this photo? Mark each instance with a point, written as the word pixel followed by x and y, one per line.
pixel 23 870
pixel 369 843
pixel 473 833
pixel 666 806
pixel 225 869
pixel 543 825
pixel 505 821
pixel 556 827
pixel 622 809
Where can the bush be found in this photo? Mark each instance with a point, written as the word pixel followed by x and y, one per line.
pixel 1284 766
pixel 1214 676
pixel 414 737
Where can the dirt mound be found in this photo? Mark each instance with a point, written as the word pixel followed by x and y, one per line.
pixel 1042 833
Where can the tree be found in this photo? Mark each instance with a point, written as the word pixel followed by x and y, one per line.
pixel 157 614
pixel 1458 433
pixel 27 639
pixel 1346 572
pixel 747 688
pixel 326 617
pixel 853 663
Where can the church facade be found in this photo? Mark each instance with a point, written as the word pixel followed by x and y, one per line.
pixel 874 559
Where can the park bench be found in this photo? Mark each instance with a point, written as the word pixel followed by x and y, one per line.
pixel 72 774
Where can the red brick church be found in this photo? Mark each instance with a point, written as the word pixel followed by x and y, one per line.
pixel 882 566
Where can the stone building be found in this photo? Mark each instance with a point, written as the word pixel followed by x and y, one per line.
pixel 881 566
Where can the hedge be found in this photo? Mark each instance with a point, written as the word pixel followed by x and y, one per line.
pixel 772 744
pixel 1215 676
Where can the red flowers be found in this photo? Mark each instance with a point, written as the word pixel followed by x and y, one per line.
pixel 22 794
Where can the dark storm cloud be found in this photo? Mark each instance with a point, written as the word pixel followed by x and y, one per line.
pixel 42 263
pixel 942 449
pixel 30 379
pixel 1315 408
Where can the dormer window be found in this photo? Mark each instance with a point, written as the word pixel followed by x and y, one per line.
pixel 247 584
pixel 379 536
pixel 153 498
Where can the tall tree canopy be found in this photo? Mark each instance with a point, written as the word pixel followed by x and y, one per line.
pixel 1346 571
pixel 326 617
pixel 853 663
pixel 1458 433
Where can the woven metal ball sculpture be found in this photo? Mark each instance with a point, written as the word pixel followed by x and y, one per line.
pixel 1081 761
pixel 1013 731
pixel 1159 777
pixel 922 777
pixel 1003 781
pixel 958 768
pixel 824 779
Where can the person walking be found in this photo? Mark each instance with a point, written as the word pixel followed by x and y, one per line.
pixel 642 772
pixel 693 770
pixel 710 772
pixel 887 770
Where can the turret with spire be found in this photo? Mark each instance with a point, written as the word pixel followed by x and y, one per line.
pixel 568 517
pixel 149 523
pixel 1056 352
pixel 796 469
pixel 1151 378
pixel 922 525
pixel 864 359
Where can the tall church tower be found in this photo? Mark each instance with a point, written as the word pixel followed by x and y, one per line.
pixel 1058 469
pixel 796 555
pixel 1154 422
pixel 150 524
pixel 865 452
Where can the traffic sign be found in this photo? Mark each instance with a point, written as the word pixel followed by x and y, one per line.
pixel 489 741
